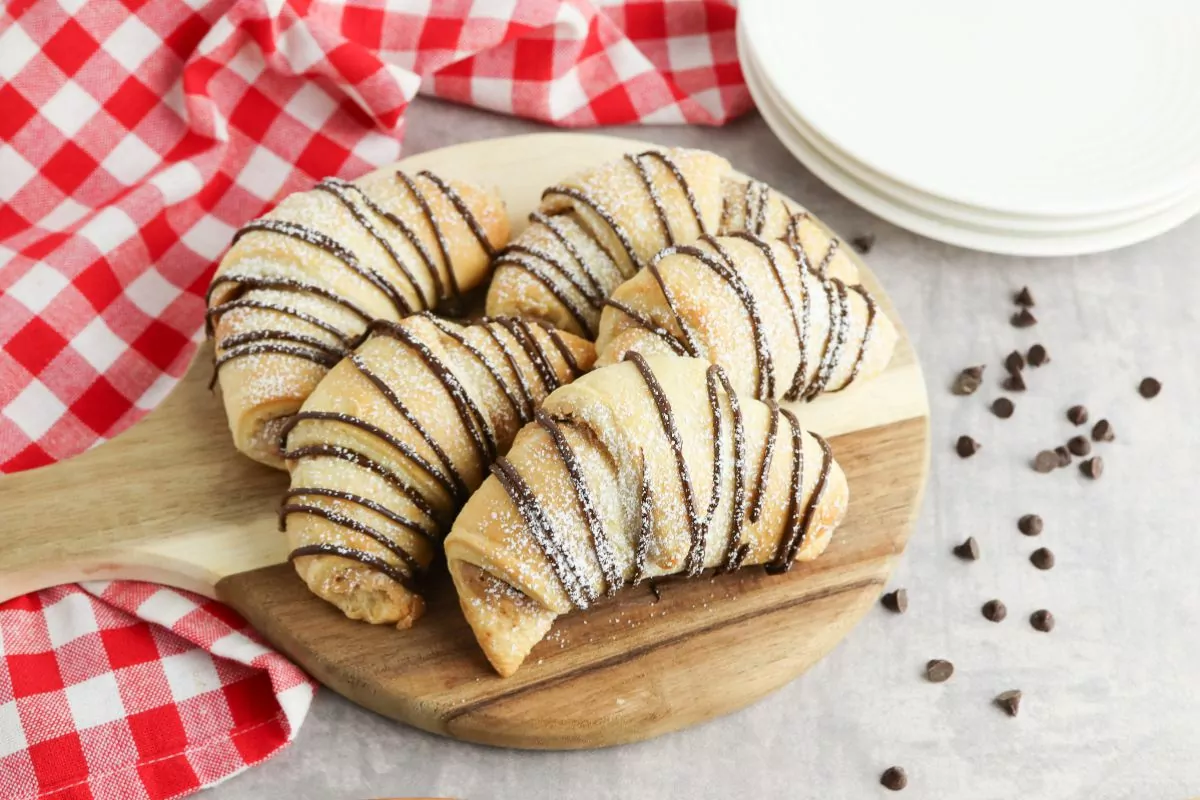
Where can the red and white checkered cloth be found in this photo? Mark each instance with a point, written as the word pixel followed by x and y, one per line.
pixel 129 690
pixel 135 137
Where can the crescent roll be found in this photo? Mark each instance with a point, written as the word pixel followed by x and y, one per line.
pixel 299 286
pixel 393 441
pixel 778 328
pixel 596 229
pixel 651 467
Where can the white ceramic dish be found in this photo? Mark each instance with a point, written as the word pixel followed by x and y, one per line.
pixel 970 216
pixel 1071 108
pixel 955 232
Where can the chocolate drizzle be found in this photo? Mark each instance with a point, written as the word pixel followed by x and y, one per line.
pixel 444 473
pixel 570 570
pixel 333 247
pixel 583 496
pixel 652 191
pixel 721 263
pixel 365 211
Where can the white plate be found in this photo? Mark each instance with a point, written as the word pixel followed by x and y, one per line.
pixel 971 216
pixel 1072 107
pixel 954 232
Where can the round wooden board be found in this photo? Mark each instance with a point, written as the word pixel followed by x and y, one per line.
pixel 171 501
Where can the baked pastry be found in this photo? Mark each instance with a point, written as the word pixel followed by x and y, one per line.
pixel 754 207
pixel 596 229
pixel 751 206
pixel 299 285
pixel 779 329
pixel 651 467
pixel 394 439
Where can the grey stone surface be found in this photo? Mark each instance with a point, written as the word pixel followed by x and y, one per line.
pixel 1111 703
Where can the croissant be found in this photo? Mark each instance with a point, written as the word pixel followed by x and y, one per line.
pixel 751 206
pixel 299 285
pixel 780 331
pixel 651 467
pixel 393 441
pixel 596 229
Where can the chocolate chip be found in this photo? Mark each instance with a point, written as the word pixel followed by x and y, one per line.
pixel 938 670
pixel 1077 415
pixel 1102 431
pixel 864 243
pixel 1023 319
pixel 1024 297
pixel 1010 701
pixel 896 601
pixel 1079 445
pixel 966 446
pixel 1014 362
pixel 968 550
pixel 1064 456
pixel 894 778
pixel 1037 356
pixel 1014 382
pixel 1045 461
pixel 1042 620
pixel 1030 525
pixel 1093 467
pixel 1002 407
pixel 1149 387
pixel 967 381
pixel 995 610
pixel 1042 558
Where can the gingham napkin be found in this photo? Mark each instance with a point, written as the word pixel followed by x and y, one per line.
pixel 135 136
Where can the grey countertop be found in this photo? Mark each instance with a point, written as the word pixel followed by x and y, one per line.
pixel 1112 695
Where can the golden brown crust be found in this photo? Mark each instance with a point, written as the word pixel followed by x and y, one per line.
pixel 382 454
pixel 290 299
pixel 615 223
pixel 613 429
pixel 759 335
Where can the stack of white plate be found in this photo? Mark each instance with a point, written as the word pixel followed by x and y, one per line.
pixel 1030 127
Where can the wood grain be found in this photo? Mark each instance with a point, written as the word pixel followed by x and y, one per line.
pixel 171 501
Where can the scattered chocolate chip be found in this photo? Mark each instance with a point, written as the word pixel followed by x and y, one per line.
pixel 1064 456
pixel 1030 525
pixel 1014 362
pixel 1010 701
pixel 1037 356
pixel 1079 445
pixel 1023 319
pixel 654 591
pixel 1093 467
pixel 864 243
pixel 894 778
pixel 1077 415
pixel 1149 387
pixel 1102 431
pixel 1042 620
pixel 966 446
pixel 1024 297
pixel 938 670
pixel 968 550
pixel 995 610
pixel 1042 558
pixel 1002 407
pixel 1014 382
pixel 968 381
pixel 1045 461
pixel 896 601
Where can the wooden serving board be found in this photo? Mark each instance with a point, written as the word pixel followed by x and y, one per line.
pixel 171 501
